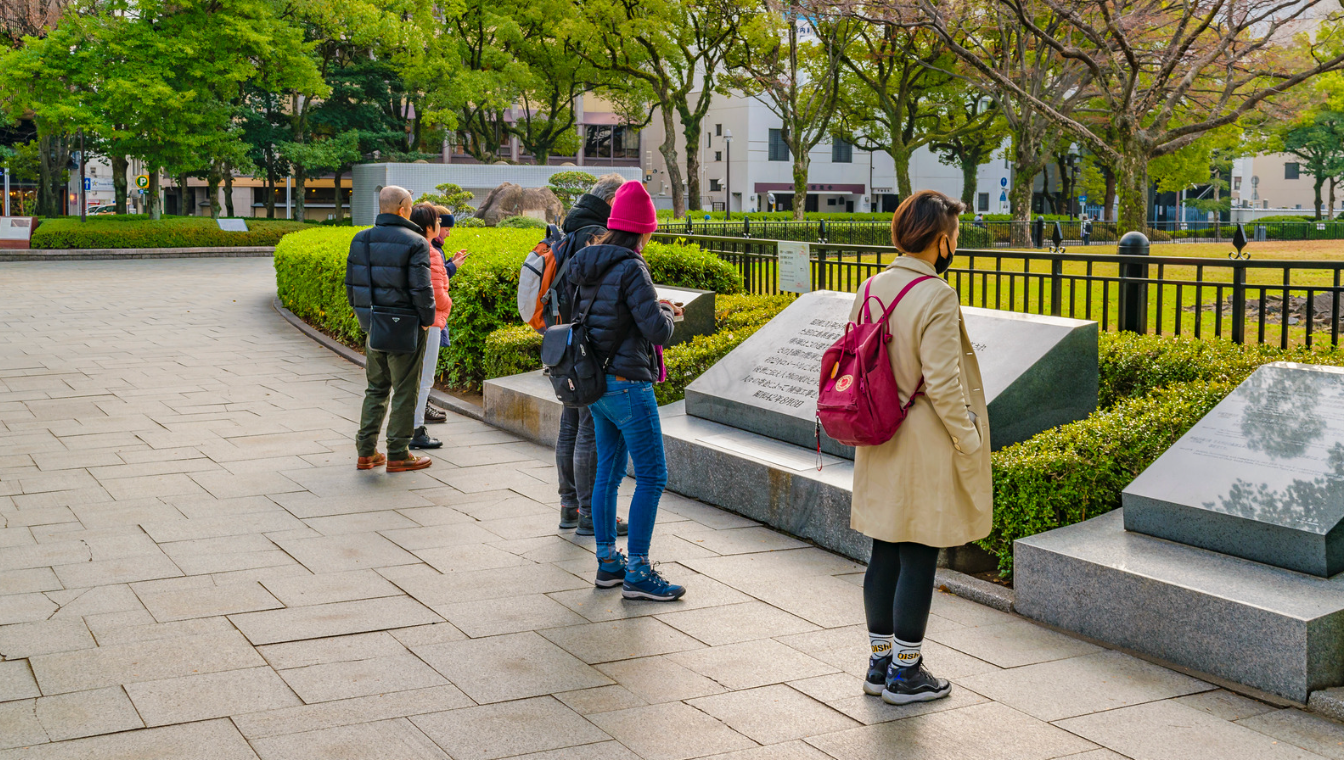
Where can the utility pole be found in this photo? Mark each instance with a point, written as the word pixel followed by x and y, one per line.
pixel 728 187
pixel 83 194
pixel 289 214
pixel 6 191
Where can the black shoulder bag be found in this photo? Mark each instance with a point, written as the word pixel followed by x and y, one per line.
pixel 578 376
pixel 392 329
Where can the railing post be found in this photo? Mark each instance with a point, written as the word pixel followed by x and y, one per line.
pixel 688 224
pixel 821 231
pixel 1239 303
pixel 1056 286
pixel 1134 295
pixel 746 227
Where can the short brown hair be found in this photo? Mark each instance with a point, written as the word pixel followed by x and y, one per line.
pixel 424 215
pixel 921 218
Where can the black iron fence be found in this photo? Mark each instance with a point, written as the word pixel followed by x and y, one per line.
pixel 1007 234
pixel 1243 300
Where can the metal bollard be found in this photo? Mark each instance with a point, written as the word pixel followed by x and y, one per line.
pixel 1134 295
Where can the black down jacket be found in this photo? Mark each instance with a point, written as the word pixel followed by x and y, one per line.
pixel 397 255
pixel 624 308
pixel 585 222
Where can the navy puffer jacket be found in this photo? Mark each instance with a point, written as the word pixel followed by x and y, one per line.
pixel 624 308
pixel 399 257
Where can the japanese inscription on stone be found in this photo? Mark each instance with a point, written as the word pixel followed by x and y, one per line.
pixel 788 377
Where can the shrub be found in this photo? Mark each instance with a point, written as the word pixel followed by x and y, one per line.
pixel 1073 472
pixel 690 266
pixel 1132 365
pixel 470 222
pixel 139 231
pixel 310 280
pixel 512 350
pixel 522 223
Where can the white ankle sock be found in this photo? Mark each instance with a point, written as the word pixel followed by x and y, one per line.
pixel 881 643
pixel 907 654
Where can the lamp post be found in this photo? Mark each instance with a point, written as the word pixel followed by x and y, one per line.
pixel 728 181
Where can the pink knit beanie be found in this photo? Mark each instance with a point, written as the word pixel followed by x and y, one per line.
pixel 632 209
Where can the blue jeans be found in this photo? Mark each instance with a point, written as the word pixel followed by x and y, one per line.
pixel 576 459
pixel 626 422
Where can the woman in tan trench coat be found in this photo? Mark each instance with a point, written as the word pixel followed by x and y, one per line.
pixel 929 486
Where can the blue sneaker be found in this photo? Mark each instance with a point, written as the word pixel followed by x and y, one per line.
pixel 611 572
pixel 643 582
pixel 877 675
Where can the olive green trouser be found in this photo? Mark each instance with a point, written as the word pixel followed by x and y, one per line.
pixel 398 374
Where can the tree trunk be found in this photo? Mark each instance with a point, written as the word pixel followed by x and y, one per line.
pixel 119 167
pixel 184 207
pixel 970 175
pixel 270 194
pixel 155 193
pixel 669 151
pixel 1108 211
pixel 1331 214
pixel 901 158
pixel 52 159
pixel 340 212
pixel 801 162
pixel 300 178
pixel 1027 163
pixel 1320 182
pixel 1131 178
pixel 692 133
pixel 228 190
pixel 212 180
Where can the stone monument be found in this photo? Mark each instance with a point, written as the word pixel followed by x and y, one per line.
pixel 1226 556
pixel 1039 372
pixel 509 199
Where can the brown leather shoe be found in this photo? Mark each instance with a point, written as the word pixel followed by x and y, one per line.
pixel 368 463
pixel 411 462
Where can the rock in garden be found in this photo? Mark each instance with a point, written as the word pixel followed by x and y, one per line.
pixel 511 200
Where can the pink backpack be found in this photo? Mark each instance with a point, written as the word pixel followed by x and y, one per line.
pixel 859 403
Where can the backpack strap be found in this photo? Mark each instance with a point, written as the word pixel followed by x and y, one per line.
pixel 887 314
pixel 866 315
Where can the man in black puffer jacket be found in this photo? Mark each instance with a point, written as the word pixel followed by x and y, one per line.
pixel 389 265
pixel 576 445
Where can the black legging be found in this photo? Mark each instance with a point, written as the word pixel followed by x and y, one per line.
pixel 898 589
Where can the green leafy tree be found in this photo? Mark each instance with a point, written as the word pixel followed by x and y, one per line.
pixel 970 149
pixel 318 157
pixel 1318 140
pixel 568 186
pixel 785 63
pixel 451 197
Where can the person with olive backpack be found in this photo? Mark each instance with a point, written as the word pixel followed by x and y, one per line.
pixel 387 282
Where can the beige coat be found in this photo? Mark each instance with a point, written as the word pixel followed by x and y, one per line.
pixel 930 483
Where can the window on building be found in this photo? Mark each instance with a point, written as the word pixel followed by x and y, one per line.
pixel 718 155
pixel 1236 183
pixel 1290 171
pixel 830 201
pixel 598 144
pixel 714 186
pixel 778 150
pixel 718 130
pixel 841 152
pixel 982 202
pixel 612 142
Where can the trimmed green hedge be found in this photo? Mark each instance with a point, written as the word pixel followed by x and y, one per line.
pixel 1077 471
pixel 522 223
pixel 138 231
pixel 310 281
pixel 512 350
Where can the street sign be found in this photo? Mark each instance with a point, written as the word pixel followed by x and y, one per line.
pixel 88 184
pixel 142 181
pixel 1082 199
pixel 1003 197
pixel 795 267
pixel 1003 182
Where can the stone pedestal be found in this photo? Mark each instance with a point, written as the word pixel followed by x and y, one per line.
pixel 1260 477
pixel 1266 627
pixel 1039 372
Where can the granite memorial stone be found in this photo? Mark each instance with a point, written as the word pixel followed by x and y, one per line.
pixel 698 306
pixel 232 225
pixel 1260 477
pixel 1039 372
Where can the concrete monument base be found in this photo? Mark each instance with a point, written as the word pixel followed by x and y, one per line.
pixel 1263 626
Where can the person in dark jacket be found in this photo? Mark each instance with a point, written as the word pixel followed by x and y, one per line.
pixel 388 265
pixel 575 447
pixel 625 322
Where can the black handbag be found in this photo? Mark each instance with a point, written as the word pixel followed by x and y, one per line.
pixel 392 329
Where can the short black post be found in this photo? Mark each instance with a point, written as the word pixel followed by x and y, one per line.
pixel 1057 237
pixel 1239 302
pixel 1134 295
pixel 688 224
pixel 746 227
pixel 1057 286
pixel 821 231
pixel 1038 232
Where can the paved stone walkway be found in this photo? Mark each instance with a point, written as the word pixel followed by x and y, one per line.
pixel 191 567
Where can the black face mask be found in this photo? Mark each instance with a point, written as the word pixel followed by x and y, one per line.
pixel 941 264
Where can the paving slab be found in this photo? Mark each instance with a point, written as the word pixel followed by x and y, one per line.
pixel 620 640
pixel 361 678
pixel 296 720
pixel 535 667
pixel 338 618
pixel 391 740
pixel 182 741
pixel 87 713
pixel 1170 729
pixel 670 731
pixel 507 730
pixel 45 637
pixel 151 660
pixel 17 681
pixel 773 714
pixel 21 728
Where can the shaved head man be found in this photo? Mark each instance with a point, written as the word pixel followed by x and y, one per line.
pixel 395 200
pixel 387 276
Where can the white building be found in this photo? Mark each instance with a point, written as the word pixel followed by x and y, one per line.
pixel 841 177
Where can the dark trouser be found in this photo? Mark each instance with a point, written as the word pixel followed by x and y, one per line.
pixel 398 374
pixel 898 589
pixel 1087 238
pixel 576 459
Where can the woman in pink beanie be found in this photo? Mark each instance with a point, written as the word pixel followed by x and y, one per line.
pixel 627 326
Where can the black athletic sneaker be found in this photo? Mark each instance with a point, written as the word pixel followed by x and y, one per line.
pixel 913 684
pixel 423 441
pixel 586 526
pixel 877 675
pixel 569 518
